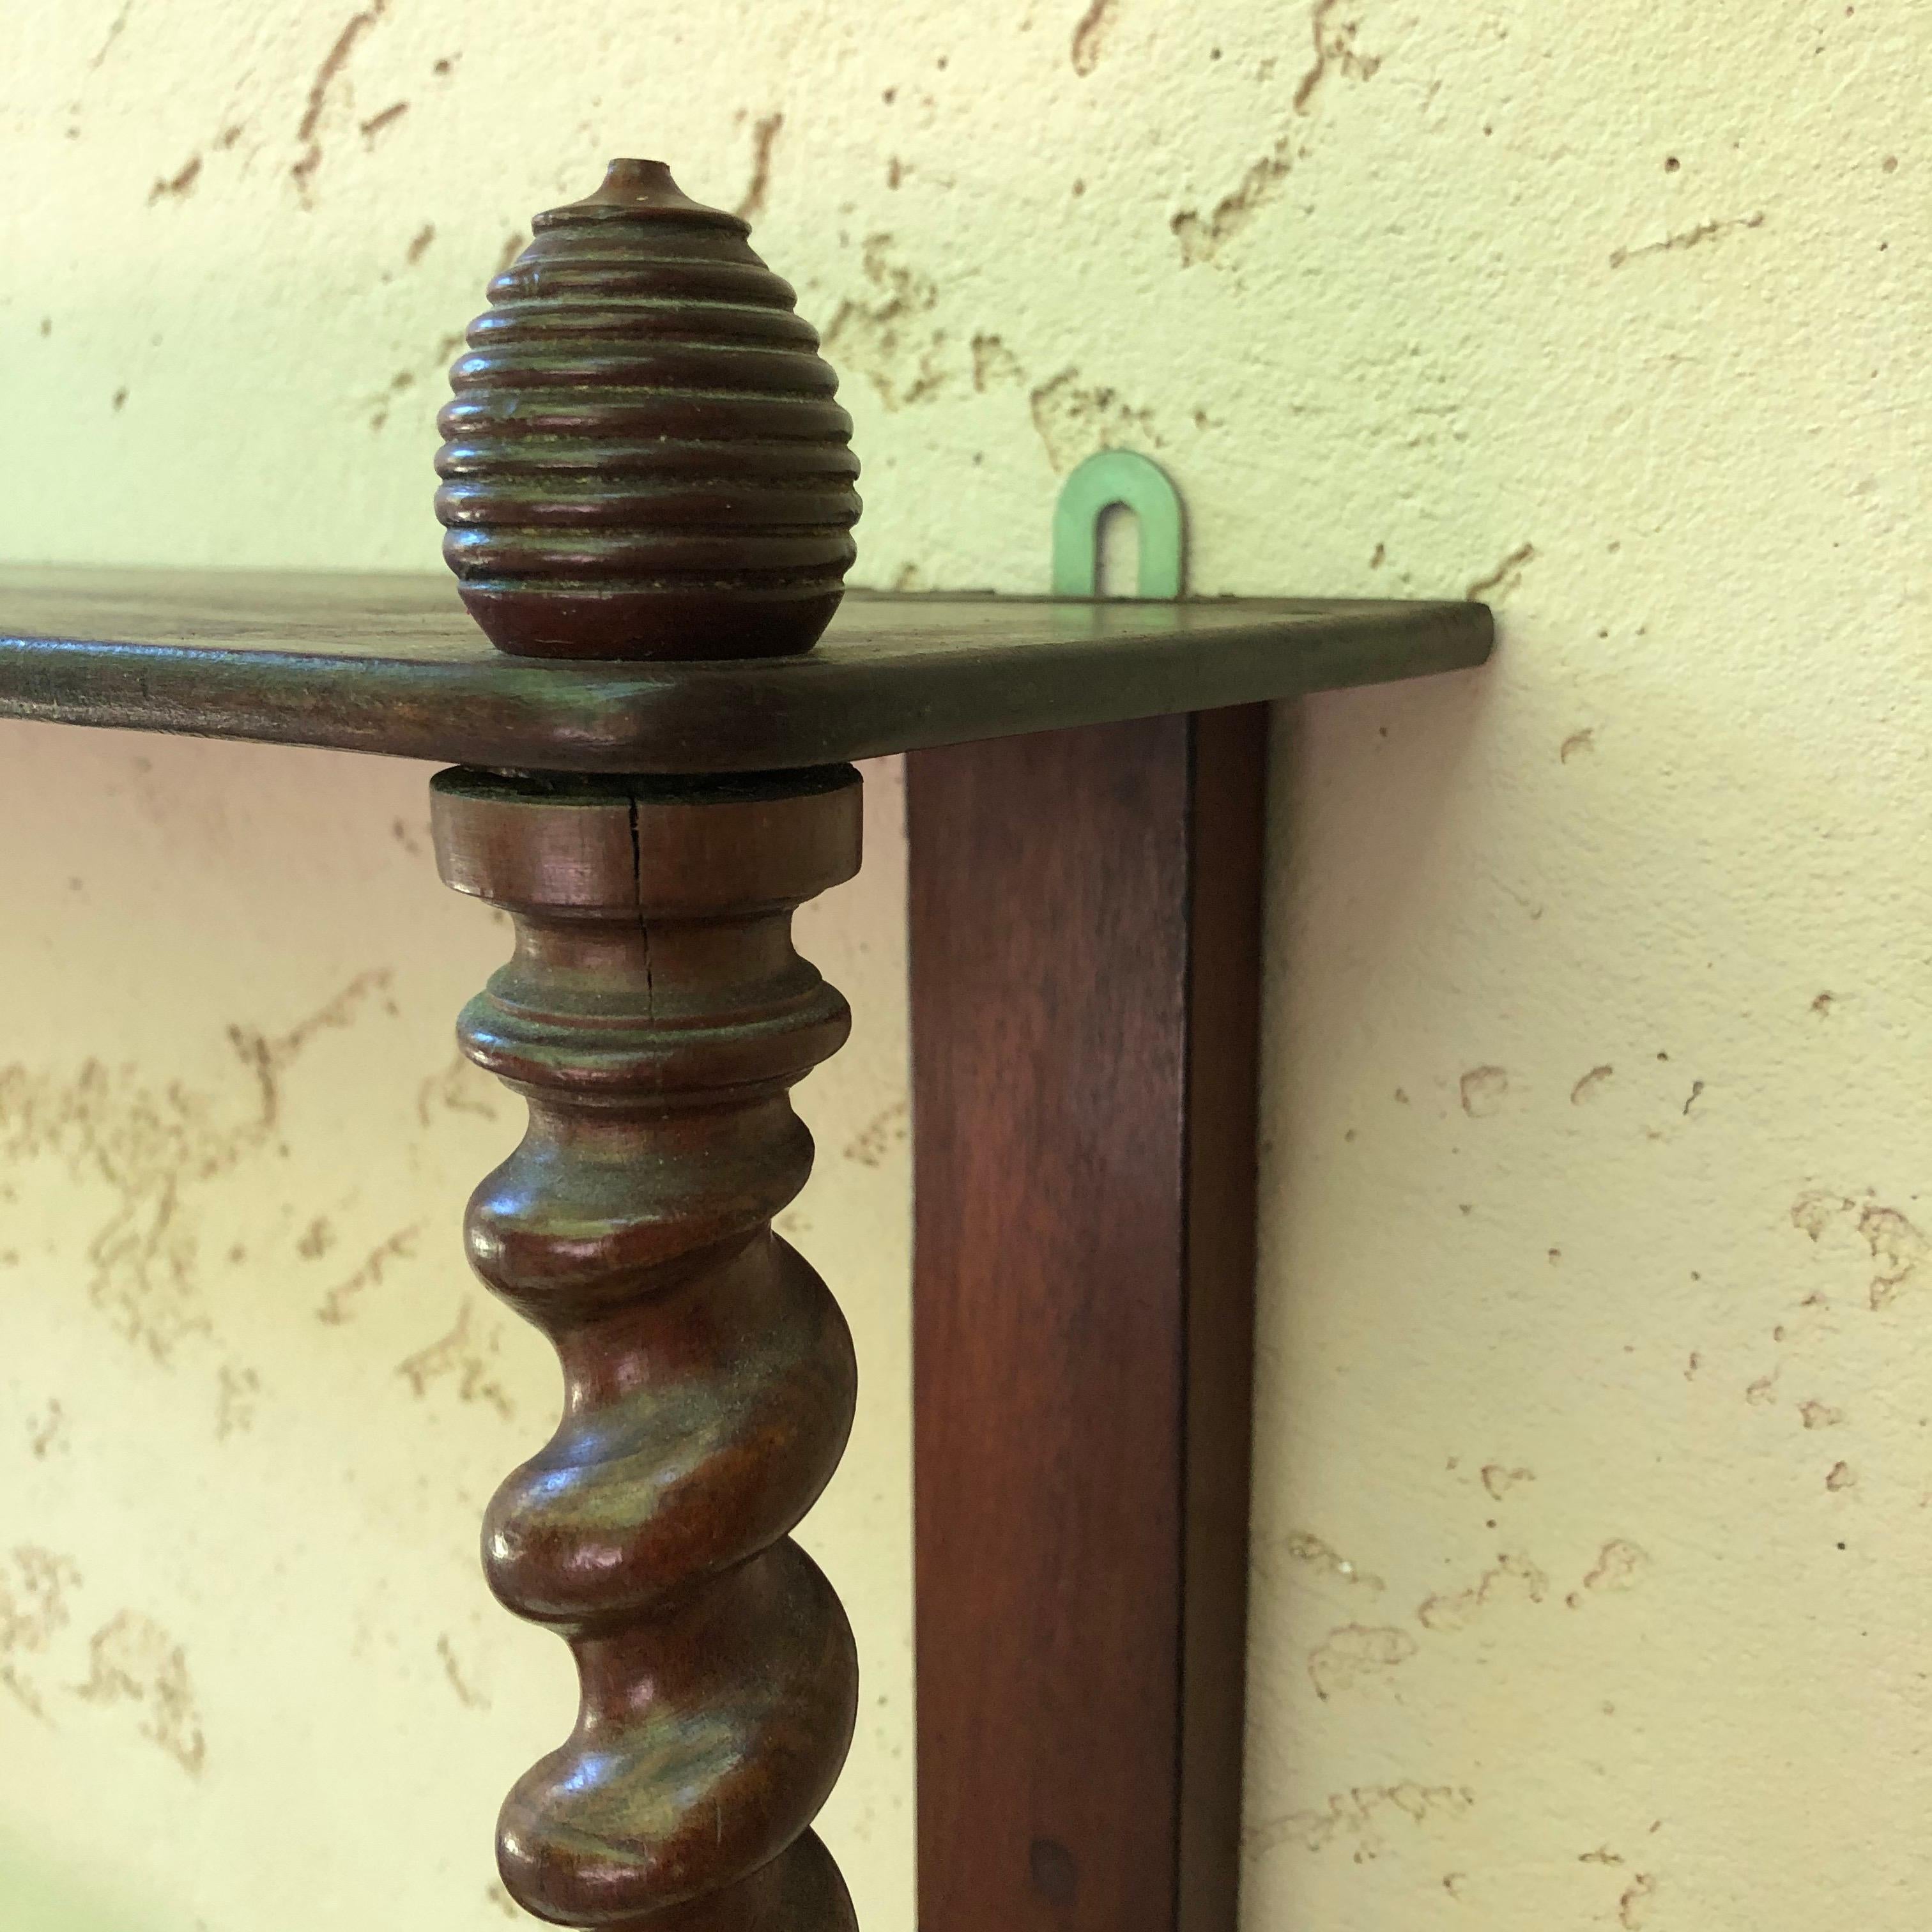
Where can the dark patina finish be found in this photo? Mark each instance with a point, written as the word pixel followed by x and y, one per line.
pixel 1084 912
pixel 391 664
pixel 643 449
pixel 649 493
pixel 654 1016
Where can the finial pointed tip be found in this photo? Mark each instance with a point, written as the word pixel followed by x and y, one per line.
pixel 643 185
pixel 633 176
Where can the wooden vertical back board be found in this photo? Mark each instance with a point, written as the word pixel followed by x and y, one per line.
pixel 1084 916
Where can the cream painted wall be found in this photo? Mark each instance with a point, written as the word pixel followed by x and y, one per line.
pixel 1593 1504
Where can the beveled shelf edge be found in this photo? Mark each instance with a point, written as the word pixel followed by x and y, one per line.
pixel 882 687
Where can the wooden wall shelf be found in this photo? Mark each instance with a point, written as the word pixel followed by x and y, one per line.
pixel 649 493
pixel 391 664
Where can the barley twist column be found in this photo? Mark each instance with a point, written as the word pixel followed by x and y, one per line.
pixel 654 1015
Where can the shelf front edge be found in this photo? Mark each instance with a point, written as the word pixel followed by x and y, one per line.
pixel 832 706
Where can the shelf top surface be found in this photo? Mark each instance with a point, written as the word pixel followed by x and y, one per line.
pixel 393 664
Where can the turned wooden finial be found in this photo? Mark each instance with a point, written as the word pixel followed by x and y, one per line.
pixel 644 458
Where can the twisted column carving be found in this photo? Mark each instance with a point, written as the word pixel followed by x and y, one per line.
pixel 655 1015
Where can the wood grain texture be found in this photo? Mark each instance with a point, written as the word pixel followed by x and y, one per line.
pixel 655 1016
pixel 644 458
pixel 393 664
pixel 1084 912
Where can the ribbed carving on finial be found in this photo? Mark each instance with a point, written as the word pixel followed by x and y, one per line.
pixel 655 1016
pixel 644 458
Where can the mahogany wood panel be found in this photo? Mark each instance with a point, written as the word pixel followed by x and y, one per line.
pixel 1084 918
pixel 655 1016
pixel 393 664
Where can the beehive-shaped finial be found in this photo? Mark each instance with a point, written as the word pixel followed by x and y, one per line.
pixel 644 458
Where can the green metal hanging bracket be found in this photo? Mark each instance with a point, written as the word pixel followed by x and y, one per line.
pixel 1134 482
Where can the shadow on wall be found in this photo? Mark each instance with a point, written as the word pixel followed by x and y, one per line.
pixel 38 1896
pixel 1375 766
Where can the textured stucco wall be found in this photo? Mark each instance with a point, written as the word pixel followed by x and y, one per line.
pixel 1593 1504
